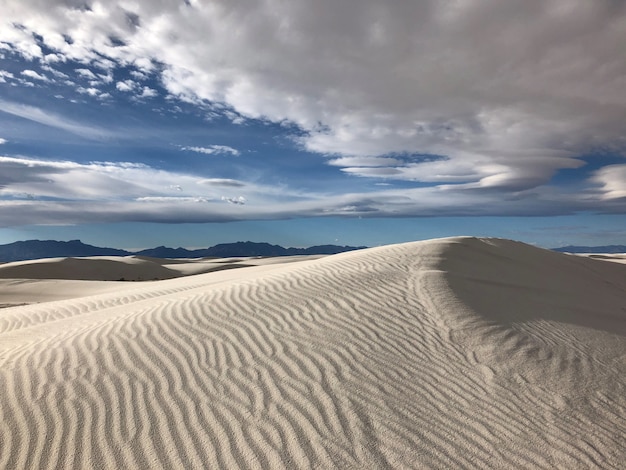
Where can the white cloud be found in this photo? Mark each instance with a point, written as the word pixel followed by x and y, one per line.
pixel 35 75
pixel 364 161
pixel 4 75
pixel 222 182
pixel 106 77
pixel 86 73
pixel 53 58
pixel 2 141
pixel 239 200
pixel 148 93
pixel 104 181
pixel 472 170
pixel 171 199
pixel 69 192
pixel 90 181
pixel 126 85
pixel 612 179
pixel 54 72
pixel 509 92
pixel 138 75
pixel 214 150
pixel 88 91
pixel 51 119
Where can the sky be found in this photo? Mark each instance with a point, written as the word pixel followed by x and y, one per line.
pixel 362 122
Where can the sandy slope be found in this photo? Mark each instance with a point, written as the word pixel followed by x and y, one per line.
pixel 44 280
pixel 452 353
pixel 129 268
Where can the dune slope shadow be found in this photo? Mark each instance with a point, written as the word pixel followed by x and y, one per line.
pixel 553 320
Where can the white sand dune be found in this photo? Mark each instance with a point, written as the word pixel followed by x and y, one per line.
pixel 44 280
pixel 128 268
pixel 451 353
pixel 614 257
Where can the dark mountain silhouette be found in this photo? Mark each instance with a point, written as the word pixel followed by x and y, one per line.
pixel 166 252
pixel 592 249
pixel 36 249
pixel 226 250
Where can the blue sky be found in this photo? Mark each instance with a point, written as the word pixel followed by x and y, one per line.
pixel 190 123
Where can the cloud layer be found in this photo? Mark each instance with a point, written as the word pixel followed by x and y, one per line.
pixel 471 97
pixel 69 192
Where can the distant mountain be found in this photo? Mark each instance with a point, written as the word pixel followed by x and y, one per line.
pixel 224 250
pixel 322 250
pixel 36 249
pixel 592 249
pixel 227 250
pixel 165 252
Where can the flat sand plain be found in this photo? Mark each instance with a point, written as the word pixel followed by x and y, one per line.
pixel 448 353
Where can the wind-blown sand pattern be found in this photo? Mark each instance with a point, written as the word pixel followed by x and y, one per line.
pixel 451 353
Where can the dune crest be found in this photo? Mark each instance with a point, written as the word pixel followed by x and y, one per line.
pixel 449 353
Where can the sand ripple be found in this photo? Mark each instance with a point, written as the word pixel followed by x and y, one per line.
pixel 383 358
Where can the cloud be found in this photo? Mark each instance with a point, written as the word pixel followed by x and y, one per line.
pixel 222 182
pixel 214 150
pixel 52 119
pixel 88 91
pixel 138 75
pixel 171 199
pixel 4 75
pixel 106 77
pixel 239 200
pixel 126 85
pixel 148 92
pixel 2 141
pixel 54 72
pixel 63 192
pixel 86 73
pixel 612 180
pixel 469 170
pixel 61 186
pixel 53 58
pixel 364 161
pixel 34 75
pixel 506 93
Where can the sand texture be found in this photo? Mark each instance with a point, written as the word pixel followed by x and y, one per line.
pixel 449 353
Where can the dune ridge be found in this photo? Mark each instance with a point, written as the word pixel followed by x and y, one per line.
pixel 450 353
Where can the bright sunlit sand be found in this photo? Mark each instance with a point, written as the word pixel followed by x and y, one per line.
pixel 449 353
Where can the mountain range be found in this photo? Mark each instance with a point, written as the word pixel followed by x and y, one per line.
pixel 592 249
pixel 37 249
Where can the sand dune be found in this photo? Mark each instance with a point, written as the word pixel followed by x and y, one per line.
pixel 616 258
pixel 450 353
pixel 128 268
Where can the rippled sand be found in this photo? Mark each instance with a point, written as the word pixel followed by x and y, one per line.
pixel 449 353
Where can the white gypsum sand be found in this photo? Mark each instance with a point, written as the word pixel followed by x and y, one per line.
pixel 44 280
pixel 450 353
